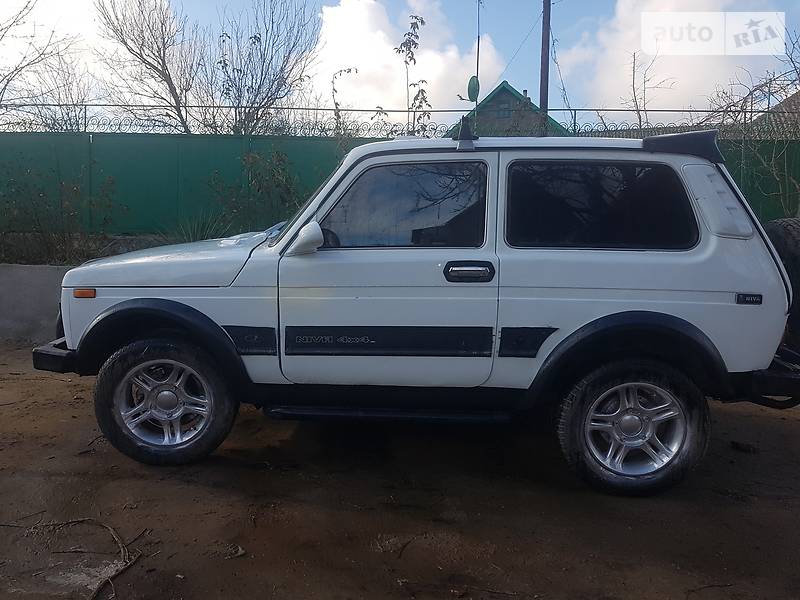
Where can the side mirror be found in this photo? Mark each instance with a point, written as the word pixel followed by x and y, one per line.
pixel 308 239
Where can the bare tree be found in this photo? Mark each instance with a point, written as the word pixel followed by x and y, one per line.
pixel 260 58
pixel 643 82
pixel 158 61
pixel 338 116
pixel 740 101
pixel 34 51
pixel 64 89
pixel 791 63
pixel 306 112
pixel 759 116
pixel 417 107
pixel 759 101
pixel 420 106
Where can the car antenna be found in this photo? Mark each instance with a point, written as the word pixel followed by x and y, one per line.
pixel 465 138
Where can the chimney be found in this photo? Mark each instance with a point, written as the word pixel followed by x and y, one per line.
pixel 525 93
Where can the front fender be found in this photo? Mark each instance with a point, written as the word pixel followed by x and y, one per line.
pixel 133 319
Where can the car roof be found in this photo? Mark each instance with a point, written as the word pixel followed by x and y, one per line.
pixel 702 144
pixel 489 143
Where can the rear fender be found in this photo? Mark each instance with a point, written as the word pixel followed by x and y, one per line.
pixel 634 334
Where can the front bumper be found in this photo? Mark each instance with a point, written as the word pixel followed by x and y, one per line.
pixel 54 356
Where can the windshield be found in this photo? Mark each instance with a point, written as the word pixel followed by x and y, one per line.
pixel 284 226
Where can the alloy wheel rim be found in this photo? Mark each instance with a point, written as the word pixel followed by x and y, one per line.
pixel 163 403
pixel 635 429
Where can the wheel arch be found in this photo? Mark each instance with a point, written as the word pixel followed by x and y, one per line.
pixel 632 334
pixel 139 318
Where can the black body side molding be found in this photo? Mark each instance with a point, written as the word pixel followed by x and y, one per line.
pixel 523 342
pixel 388 341
pixel 253 341
pixel 693 143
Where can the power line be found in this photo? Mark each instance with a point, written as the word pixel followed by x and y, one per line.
pixel 563 86
pixel 522 43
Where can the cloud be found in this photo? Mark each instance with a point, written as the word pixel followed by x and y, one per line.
pixel 74 20
pixel 598 66
pixel 360 34
pixel 354 33
pixel 578 55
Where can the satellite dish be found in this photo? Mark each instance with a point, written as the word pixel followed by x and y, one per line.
pixel 473 88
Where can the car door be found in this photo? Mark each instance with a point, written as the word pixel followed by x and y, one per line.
pixel 404 290
pixel 586 234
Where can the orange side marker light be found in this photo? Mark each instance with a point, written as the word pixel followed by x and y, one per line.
pixel 84 293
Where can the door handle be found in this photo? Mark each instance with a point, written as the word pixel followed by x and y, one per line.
pixel 469 271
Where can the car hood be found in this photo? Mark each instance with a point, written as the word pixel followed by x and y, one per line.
pixel 210 263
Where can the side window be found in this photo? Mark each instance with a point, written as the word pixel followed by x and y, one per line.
pixel 598 205
pixel 721 208
pixel 415 204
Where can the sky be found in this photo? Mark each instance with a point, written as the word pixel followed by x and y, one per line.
pixel 594 42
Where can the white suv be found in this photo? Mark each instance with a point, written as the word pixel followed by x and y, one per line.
pixel 620 282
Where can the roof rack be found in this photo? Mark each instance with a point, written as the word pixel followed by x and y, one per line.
pixel 464 136
pixel 694 143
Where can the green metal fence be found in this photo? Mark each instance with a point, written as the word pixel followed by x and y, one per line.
pixel 152 183
pixel 155 183
pixel 768 172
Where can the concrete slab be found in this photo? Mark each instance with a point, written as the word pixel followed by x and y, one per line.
pixel 29 296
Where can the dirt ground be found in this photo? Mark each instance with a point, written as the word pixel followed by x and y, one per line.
pixel 309 510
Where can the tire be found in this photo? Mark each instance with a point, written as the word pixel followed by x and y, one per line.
pixel 785 236
pixel 642 386
pixel 177 407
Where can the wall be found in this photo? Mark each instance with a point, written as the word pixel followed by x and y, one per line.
pixel 29 302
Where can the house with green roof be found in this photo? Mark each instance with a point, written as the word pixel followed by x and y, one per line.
pixel 506 112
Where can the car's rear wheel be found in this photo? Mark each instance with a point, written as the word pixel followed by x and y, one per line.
pixel 634 427
pixel 162 402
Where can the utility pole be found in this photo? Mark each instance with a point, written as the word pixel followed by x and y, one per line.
pixel 544 71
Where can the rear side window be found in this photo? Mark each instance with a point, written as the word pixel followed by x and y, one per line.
pixel 719 205
pixel 597 205
pixel 435 204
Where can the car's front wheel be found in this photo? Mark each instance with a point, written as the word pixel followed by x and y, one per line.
pixel 162 402
pixel 634 427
